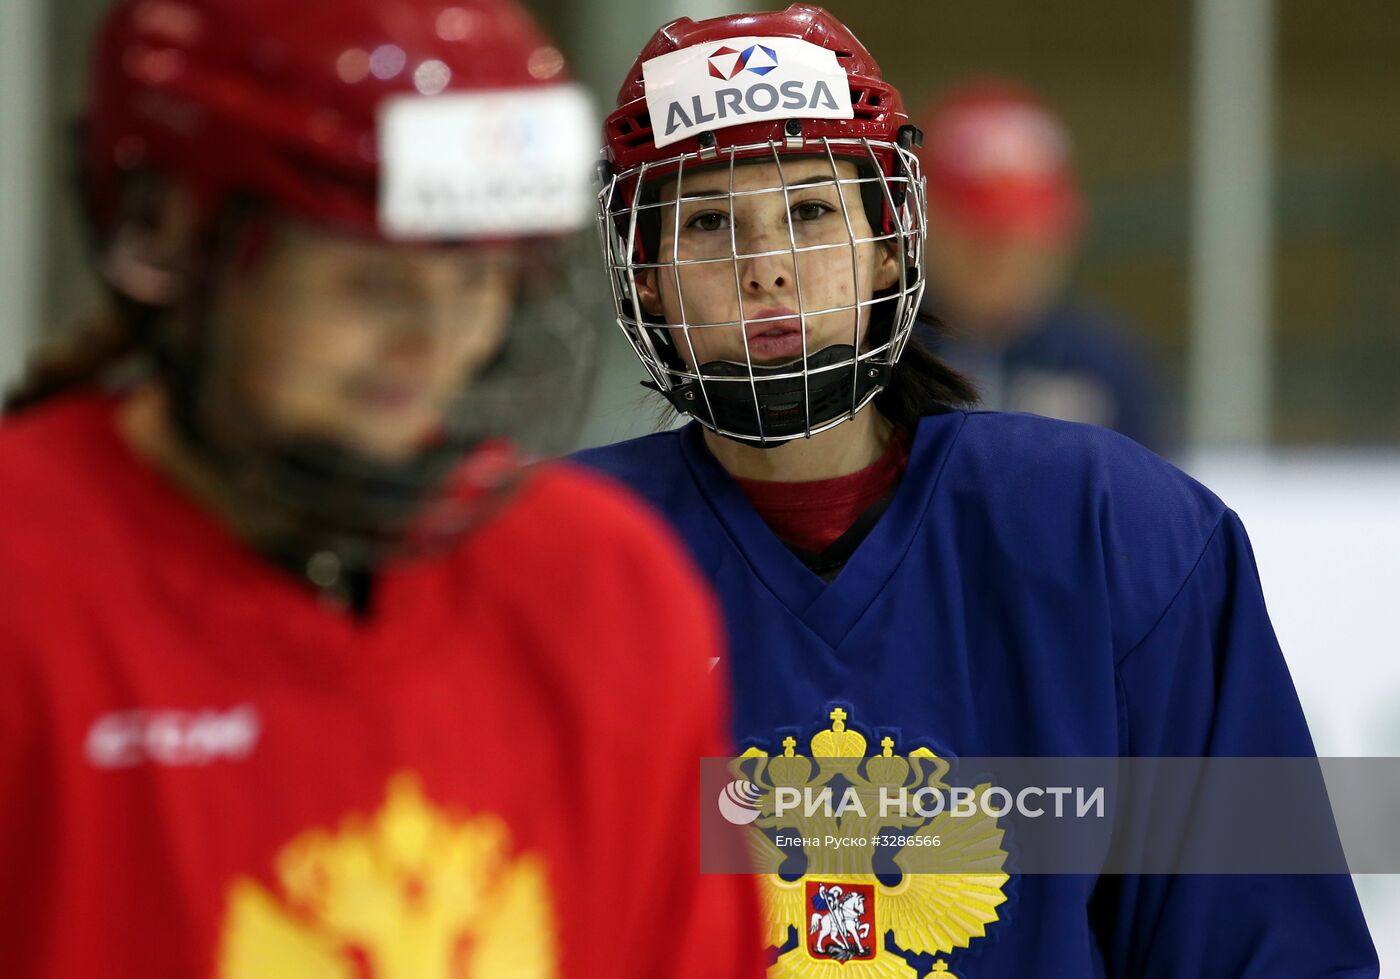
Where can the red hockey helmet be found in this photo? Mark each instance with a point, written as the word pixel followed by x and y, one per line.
pixel 876 110
pixel 282 100
pixel 749 88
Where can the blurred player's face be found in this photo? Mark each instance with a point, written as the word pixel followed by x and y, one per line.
pixel 362 343
pixel 992 283
pixel 764 287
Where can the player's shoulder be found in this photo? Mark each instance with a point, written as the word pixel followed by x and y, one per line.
pixel 49 459
pixel 652 466
pixel 585 518
pixel 43 425
pixel 634 460
pixel 1084 505
pixel 1033 462
pixel 611 571
pixel 53 533
pixel 589 501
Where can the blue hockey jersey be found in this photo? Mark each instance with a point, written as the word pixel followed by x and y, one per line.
pixel 1035 588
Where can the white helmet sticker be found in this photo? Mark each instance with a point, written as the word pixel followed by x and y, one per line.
pixel 487 164
pixel 743 80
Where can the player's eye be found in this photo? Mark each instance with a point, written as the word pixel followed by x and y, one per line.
pixel 376 285
pixel 811 210
pixel 708 221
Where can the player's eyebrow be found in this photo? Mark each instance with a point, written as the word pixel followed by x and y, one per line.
pixel 693 192
pixel 821 178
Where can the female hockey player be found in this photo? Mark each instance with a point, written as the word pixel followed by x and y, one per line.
pixel 906 578
pixel 301 674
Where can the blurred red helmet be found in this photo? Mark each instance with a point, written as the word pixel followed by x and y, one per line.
pixel 999 162
pixel 281 100
pixel 403 119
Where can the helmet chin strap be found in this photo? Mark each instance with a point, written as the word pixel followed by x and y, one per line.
pixel 787 407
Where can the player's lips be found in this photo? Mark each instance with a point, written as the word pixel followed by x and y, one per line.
pixel 778 335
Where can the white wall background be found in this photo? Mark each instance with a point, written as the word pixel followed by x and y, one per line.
pixel 1326 533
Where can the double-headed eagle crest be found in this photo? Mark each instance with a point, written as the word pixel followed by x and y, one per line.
pixel 830 913
pixel 410 892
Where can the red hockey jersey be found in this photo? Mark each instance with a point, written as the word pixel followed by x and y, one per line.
pixel 208 772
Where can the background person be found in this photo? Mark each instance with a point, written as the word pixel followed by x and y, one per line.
pixel 1006 220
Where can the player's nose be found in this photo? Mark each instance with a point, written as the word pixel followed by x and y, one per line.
pixel 765 263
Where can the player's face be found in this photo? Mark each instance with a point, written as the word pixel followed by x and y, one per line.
pixel 362 343
pixel 993 282
pixel 766 286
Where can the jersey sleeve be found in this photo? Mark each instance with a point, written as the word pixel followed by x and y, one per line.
pixel 1207 680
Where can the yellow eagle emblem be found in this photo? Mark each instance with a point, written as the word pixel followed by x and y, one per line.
pixel 410 892
pixel 841 919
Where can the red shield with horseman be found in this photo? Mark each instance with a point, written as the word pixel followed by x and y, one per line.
pixel 841 921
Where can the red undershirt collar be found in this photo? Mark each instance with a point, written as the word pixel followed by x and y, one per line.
pixel 812 515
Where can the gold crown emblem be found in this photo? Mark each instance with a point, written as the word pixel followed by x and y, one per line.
pixel 838 741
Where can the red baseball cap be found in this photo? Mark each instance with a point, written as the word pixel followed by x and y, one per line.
pixel 998 162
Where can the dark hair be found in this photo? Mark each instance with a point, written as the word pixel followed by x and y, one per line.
pixel 921 383
pixel 117 334
pixel 101 344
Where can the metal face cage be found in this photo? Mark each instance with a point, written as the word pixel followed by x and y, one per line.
pixel 747 400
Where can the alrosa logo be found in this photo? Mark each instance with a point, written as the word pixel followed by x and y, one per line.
pixel 739 81
pixel 727 106
pixel 726 62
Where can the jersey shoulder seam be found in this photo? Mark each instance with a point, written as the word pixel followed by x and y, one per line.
pixel 1210 539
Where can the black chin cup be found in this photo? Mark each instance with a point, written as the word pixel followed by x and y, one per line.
pixel 304 496
pixel 786 406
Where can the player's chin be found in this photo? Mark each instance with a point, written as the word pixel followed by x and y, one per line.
pixel 834 329
pixel 792 354
pixel 388 438
pixel 387 449
pixel 710 344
